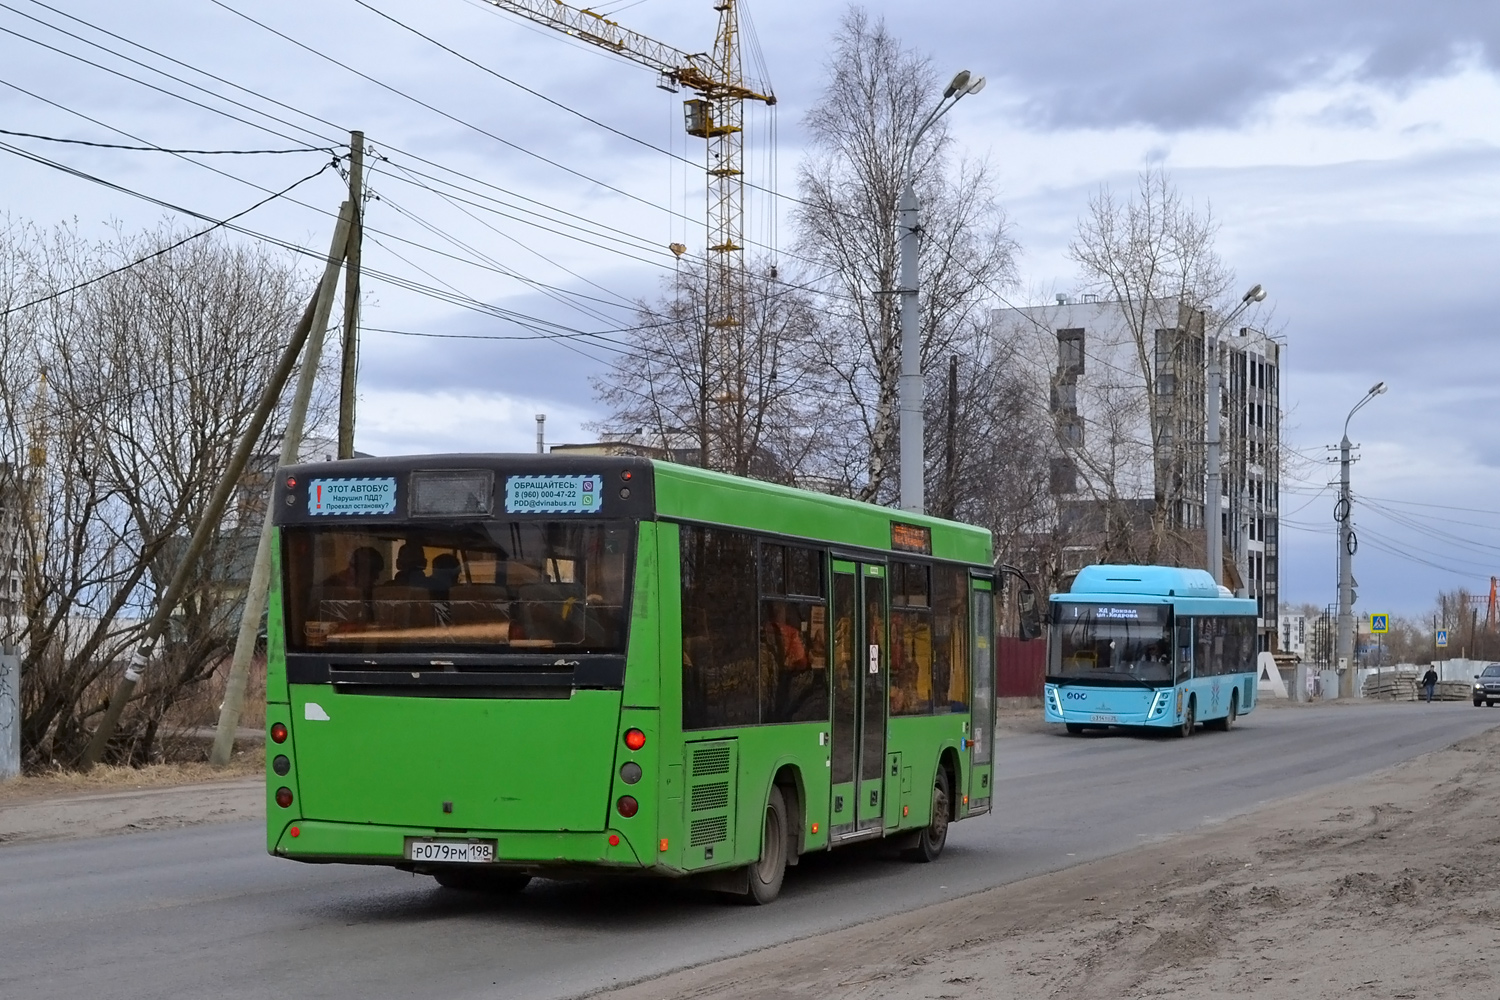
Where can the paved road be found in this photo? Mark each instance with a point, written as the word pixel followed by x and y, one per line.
pixel 204 913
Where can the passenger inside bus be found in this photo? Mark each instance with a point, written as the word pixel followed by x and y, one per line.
pixel 411 566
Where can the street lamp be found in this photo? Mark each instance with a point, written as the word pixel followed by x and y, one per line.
pixel 909 389
pixel 1343 514
pixel 1212 515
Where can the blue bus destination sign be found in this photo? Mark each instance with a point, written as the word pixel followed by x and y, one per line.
pixel 352 496
pixel 553 494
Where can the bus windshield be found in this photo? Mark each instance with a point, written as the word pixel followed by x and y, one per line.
pixel 1110 643
pixel 484 586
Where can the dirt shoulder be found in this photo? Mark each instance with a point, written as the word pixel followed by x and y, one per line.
pixel 1384 886
pixel 111 800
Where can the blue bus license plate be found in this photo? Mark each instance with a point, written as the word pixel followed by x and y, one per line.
pixel 1103 718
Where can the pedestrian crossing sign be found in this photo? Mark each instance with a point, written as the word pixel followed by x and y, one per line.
pixel 1380 623
pixel 1442 637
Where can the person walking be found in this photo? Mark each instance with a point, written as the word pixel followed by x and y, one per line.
pixel 1429 681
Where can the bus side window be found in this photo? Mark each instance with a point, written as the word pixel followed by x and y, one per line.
pixel 1184 649
pixel 793 635
pixel 911 639
pixel 950 639
pixel 720 675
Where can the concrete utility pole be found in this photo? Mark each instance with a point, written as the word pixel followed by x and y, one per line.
pixel 1213 515
pixel 167 601
pixel 349 366
pixel 1343 513
pixel 260 573
pixel 909 388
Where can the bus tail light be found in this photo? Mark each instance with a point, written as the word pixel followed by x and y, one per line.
pixel 635 739
pixel 284 797
pixel 627 806
pixel 278 733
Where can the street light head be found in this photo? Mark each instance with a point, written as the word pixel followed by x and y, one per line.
pixel 960 81
pixel 1378 388
pixel 1255 294
pixel 975 85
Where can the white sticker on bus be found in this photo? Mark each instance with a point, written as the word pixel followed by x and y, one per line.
pixel 314 712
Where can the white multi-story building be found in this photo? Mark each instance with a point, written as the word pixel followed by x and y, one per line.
pixel 1126 388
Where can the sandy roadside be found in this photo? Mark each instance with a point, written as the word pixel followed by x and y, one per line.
pixel 1380 887
pixel 94 814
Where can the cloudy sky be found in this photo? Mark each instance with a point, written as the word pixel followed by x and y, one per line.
pixel 529 185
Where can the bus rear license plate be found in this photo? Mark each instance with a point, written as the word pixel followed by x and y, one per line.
pixel 451 851
pixel 1103 718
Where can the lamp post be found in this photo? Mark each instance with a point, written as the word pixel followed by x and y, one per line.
pixel 1343 513
pixel 1213 502
pixel 909 389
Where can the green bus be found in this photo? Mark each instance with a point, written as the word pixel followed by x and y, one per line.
pixel 486 668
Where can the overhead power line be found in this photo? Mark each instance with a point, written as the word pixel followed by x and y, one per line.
pixel 163 149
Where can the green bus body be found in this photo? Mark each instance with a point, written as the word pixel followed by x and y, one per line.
pixel 371 767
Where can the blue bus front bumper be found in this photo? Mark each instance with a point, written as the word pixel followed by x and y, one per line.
pixel 1100 706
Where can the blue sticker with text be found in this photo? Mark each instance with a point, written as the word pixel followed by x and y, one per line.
pixel 352 496
pixel 553 494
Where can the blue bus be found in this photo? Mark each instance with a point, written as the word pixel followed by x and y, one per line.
pixel 1149 646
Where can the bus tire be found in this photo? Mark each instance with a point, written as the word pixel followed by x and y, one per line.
pixel 492 883
pixel 767 874
pixel 934 836
pixel 1225 724
pixel 1075 728
pixel 1189 720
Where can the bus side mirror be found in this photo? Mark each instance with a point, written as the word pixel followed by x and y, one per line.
pixel 1031 615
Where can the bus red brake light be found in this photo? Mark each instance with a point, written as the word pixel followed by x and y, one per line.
pixel 278 733
pixel 635 739
pixel 627 806
pixel 284 797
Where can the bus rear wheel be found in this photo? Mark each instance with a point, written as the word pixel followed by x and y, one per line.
pixel 1189 720
pixel 934 835
pixel 767 874
pixel 1225 724
pixel 492 883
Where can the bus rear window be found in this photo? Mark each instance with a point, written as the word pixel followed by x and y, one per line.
pixel 490 586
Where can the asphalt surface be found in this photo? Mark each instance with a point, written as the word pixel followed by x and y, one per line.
pixel 204 912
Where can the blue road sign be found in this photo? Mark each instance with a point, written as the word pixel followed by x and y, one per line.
pixel 1442 637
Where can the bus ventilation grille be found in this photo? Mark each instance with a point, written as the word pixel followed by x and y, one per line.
pixel 711 760
pixel 714 796
pixel 709 830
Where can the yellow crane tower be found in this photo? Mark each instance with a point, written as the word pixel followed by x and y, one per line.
pixel 716 115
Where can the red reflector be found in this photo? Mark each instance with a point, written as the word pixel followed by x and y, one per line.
pixel 628 806
pixel 815 828
pixel 614 840
pixel 284 797
pixel 278 733
pixel 296 831
pixel 635 739
pixel 663 843
pixel 905 811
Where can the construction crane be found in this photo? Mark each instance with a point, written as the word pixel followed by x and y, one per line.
pixel 717 115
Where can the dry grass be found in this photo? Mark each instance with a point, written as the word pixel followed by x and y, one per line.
pixel 57 784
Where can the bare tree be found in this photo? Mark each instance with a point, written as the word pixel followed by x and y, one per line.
pixel 754 406
pixel 131 393
pixel 1153 257
pixel 860 132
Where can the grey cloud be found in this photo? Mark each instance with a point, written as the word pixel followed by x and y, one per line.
pixel 1174 64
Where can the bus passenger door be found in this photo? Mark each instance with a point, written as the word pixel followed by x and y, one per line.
pixel 857 758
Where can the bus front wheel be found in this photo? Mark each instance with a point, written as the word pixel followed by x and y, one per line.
pixel 1190 719
pixel 767 874
pixel 1075 728
pixel 934 835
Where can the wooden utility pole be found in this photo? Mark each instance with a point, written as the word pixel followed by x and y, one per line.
pixel 167 602
pixel 350 364
pixel 260 573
